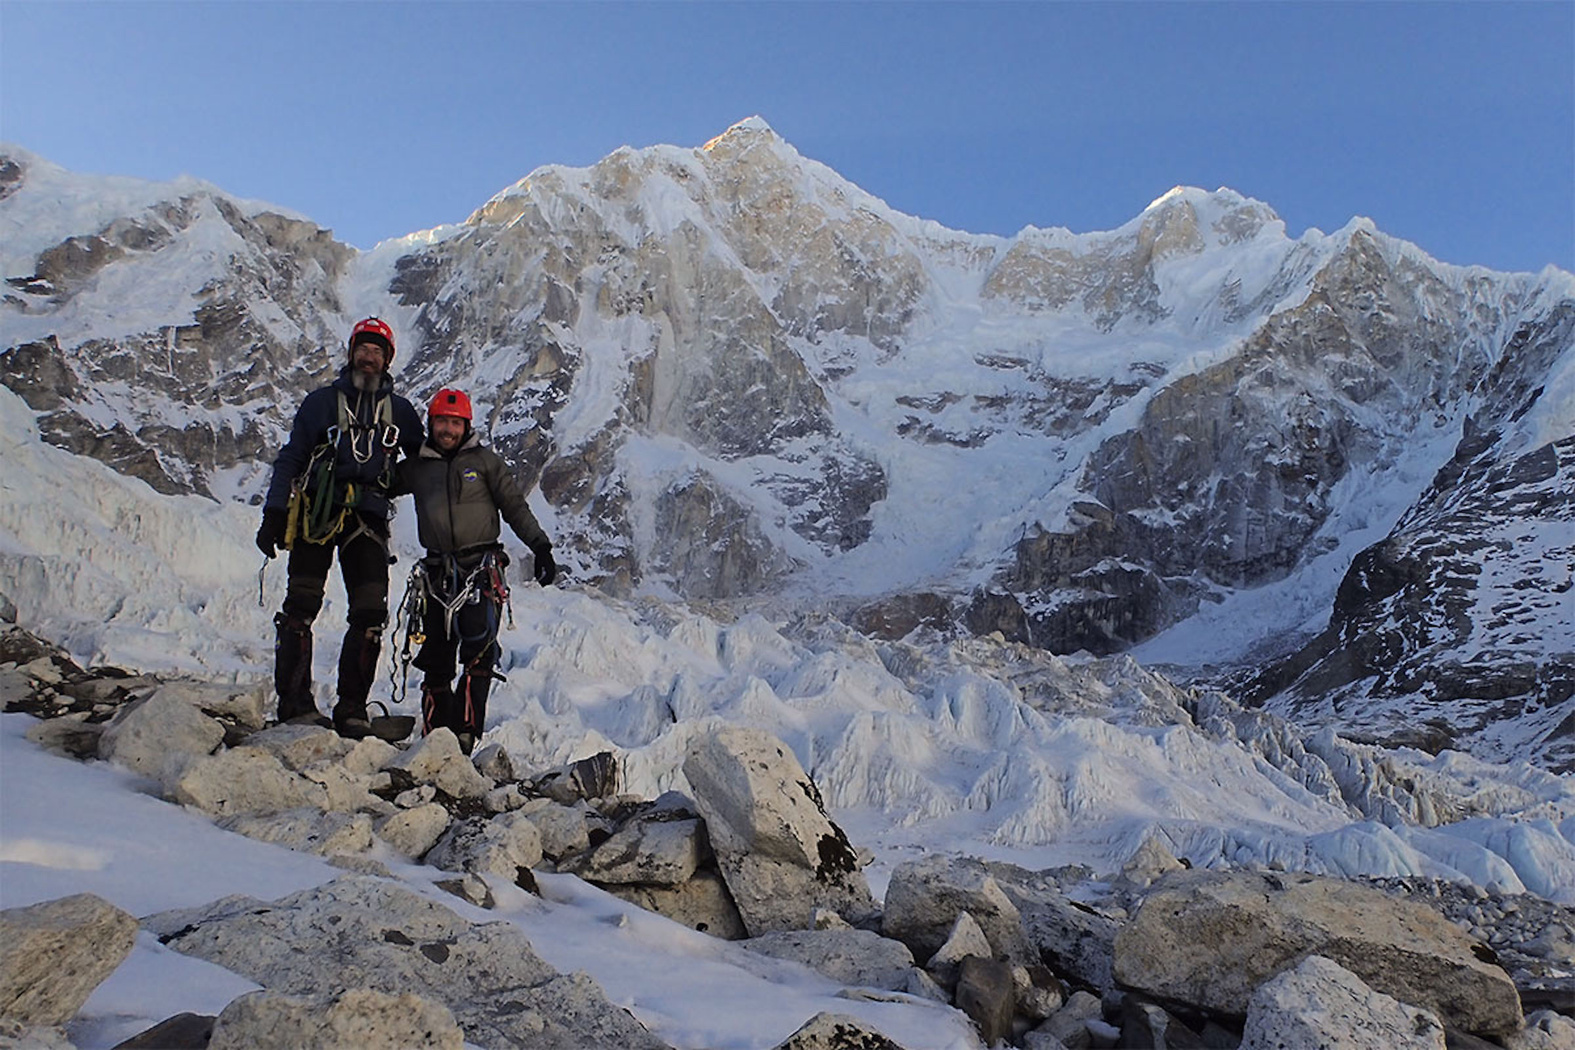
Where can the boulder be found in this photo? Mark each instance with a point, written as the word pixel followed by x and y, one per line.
pixel 1068 1026
pixel 589 778
pixel 1545 1030
pixel 306 830
pixel 854 957
pixel 563 828
pixel 159 734
pixel 243 779
pixel 778 851
pixel 349 1020
pixel 494 762
pixel 986 994
pixel 925 897
pixel 828 1031
pixel 437 760
pixel 1039 992
pixel 14 1035
pixel 651 851
pixel 68 737
pixel 503 846
pixel 1073 938
pixel 369 755
pixel 298 747
pixel 1148 1026
pixel 245 703
pixel 364 932
pixel 965 939
pixel 412 832
pixel 53 954
pixel 1210 938
pixel 1321 1004
pixel 703 903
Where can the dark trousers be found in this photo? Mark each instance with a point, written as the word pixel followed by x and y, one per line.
pixel 363 563
pixel 469 646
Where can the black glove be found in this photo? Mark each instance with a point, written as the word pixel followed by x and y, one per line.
pixel 546 569
pixel 270 535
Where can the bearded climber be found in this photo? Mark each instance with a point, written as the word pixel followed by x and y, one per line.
pixel 330 492
pixel 462 488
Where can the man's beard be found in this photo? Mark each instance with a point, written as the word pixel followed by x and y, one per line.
pixel 366 382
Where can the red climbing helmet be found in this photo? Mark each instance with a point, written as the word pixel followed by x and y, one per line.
pixel 374 330
pixel 448 402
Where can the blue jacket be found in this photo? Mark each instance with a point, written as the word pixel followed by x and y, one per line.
pixel 360 455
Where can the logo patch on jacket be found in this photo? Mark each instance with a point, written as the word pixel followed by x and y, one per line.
pixel 469 475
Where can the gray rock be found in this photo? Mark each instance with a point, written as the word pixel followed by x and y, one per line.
pixel 1069 1025
pixel 53 954
pixel 353 1019
pixel 157 735
pixel 1039 993
pixel 14 1035
pixel 67 737
pixel 243 780
pixel 703 903
pixel 856 957
pixel 494 762
pixel 1210 938
pixel 306 830
pixel 246 704
pixel 507 846
pixel 653 852
pixel 829 1031
pixel 437 760
pixel 1074 939
pixel 298 747
pixel 1544 1030
pixel 925 897
pixel 779 853
pixel 360 932
pixel 965 939
pixel 369 755
pixel 563 829
pixel 1321 1004
pixel 985 993
pixel 413 832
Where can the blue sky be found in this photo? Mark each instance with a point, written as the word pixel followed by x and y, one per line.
pixel 1451 125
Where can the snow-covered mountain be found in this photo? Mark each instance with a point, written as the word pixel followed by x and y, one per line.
pixel 735 376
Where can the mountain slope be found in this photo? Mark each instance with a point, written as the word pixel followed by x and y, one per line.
pixel 735 376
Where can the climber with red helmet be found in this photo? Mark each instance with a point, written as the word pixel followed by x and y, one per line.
pixel 330 492
pixel 462 488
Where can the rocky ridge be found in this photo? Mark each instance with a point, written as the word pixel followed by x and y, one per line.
pixel 1039 959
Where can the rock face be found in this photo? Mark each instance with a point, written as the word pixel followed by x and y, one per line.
pixel 1253 926
pixel 778 852
pixel 52 956
pixel 367 933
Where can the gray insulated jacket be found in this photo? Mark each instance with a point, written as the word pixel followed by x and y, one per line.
pixel 459 498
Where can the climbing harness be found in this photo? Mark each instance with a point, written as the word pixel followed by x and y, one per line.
pixel 437 575
pixel 319 505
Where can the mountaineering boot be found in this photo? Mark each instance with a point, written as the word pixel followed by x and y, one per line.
pixel 438 709
pixel 357 669
pixel 292 667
